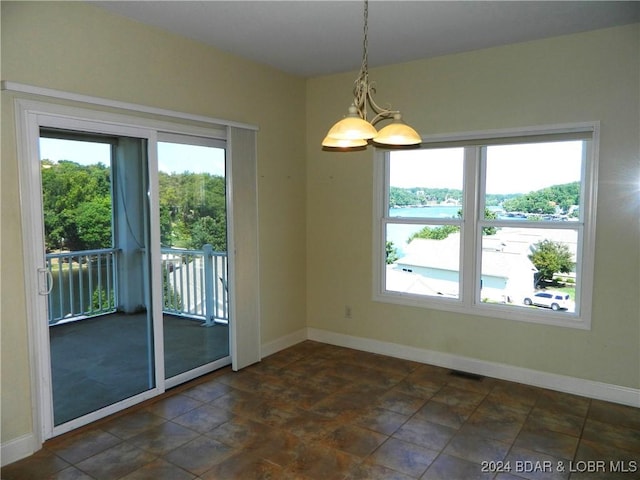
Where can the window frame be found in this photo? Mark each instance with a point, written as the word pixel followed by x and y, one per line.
pixel 474 182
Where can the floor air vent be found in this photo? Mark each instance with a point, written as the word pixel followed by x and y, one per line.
pixel 467 375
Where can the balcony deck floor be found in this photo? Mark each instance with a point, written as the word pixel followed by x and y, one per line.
pixel 99 361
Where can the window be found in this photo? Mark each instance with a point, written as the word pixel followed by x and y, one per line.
pixel 497 224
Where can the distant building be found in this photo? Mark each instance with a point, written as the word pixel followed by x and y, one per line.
pixel 431 267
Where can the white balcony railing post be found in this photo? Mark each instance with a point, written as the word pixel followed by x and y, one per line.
pixel 209 286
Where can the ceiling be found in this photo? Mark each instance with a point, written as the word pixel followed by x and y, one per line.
pixel 312 38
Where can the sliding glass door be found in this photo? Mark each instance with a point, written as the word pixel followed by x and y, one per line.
pixel 125 300
pixel 96 237
pixel 130 280
pixel 193 238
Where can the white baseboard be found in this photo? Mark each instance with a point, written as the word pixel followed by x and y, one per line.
pixel 284 342
pixel 552 381
pixel 18 448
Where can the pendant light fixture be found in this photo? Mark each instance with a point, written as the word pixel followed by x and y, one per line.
pixel 355 131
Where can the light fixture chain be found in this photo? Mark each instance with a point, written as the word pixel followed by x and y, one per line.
pixel 361 87
pixel 365 42
pixel 363 91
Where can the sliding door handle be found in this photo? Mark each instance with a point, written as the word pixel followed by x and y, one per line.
pixel 48 282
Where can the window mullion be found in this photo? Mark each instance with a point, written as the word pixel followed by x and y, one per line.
pixel 380 220
pixel 469 261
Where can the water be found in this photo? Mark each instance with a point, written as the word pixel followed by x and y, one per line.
pixel 436 211
pixel 399 234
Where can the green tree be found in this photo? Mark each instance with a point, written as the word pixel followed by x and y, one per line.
pixel 435 233
pixel 193 210
pixel 77 207
pixel 76 202
pixel 101 302
pixel 402 197
pixel 547 200
pixel 208 230
pixel 489 215
pixel 442 232
pixel 392 253
pixel 93 223
pixel 551 257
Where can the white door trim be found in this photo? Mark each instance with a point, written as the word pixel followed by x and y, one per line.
pixel 30 115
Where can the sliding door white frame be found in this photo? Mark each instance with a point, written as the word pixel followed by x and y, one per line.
pixel 30 116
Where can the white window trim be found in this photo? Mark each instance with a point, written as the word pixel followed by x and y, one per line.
pixel 470 261
pixel 21 88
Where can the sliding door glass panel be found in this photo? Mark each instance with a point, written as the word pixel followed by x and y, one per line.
pixel 193 231
pixel 95 206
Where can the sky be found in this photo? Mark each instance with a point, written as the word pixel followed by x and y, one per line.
pixel 172 157
pixel 510 168
pixel 178 158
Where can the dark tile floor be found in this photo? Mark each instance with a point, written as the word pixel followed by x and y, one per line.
pixel 316 411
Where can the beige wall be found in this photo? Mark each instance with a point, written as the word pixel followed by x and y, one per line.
pixel 78 48
pixel 577 78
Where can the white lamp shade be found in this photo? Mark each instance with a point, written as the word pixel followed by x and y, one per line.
pixel 337 143
pixel 397 133
pixel 352 128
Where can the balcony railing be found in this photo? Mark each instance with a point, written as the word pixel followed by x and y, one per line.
pixel 195 284
pixel 85 284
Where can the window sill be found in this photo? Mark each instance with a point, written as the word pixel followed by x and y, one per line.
pixel 535 315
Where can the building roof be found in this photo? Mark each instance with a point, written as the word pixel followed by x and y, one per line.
pixel 445 255
pixel 408 282
pixel 441 254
